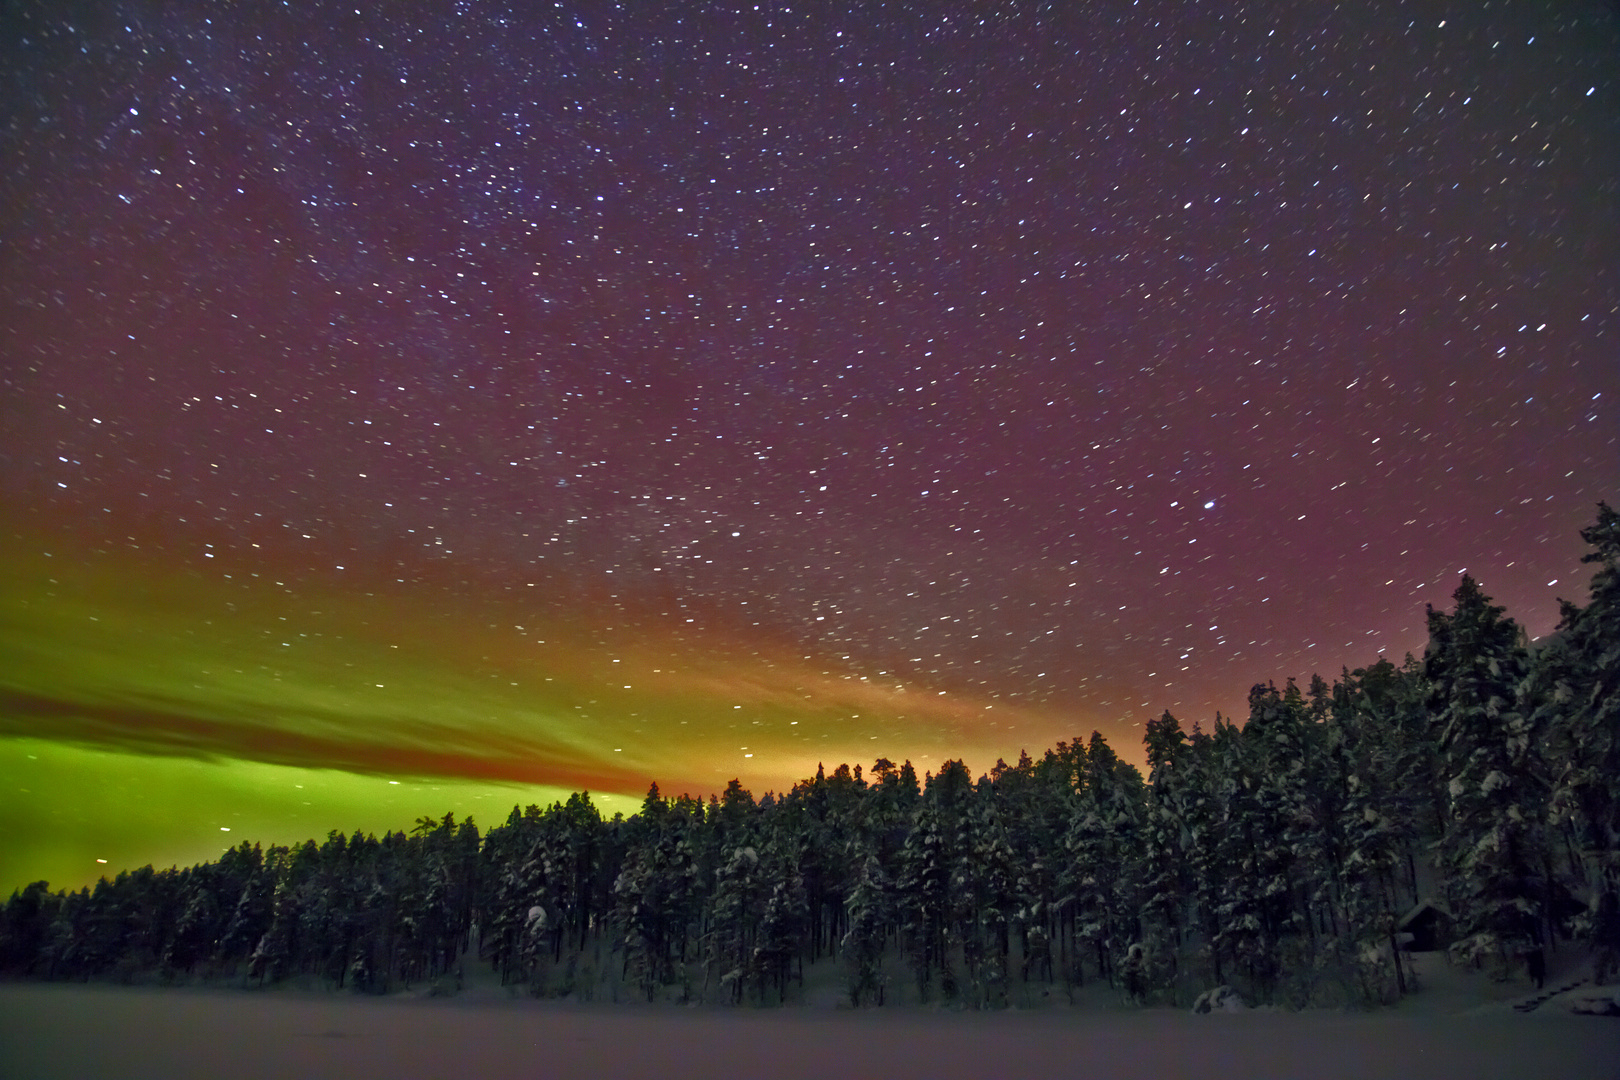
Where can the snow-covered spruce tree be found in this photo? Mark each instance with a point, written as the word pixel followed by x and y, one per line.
pixel 1315 960
pixel 755 915
pixel 1033 805
pixel 368 962
pixel 1166 873
pixel 823 811
pixel 1579 675
pixel 381 960
pixel 277 953
pixel 584 889
pixel 986 880
pixel 197 925
pixel 1291 866
pixel 1376 740
pixel 886 811
pixel 1082 901
pixel 329 915
pixel 1386 709
pixel 514 871
pixel 1100 881
pixel 657 892
pixel 25 927
pixel 1126 810
pixel 1269 848
pixel 120 928
pixel 1061 775
pixel 871 913
pixel 1366 890
pixel 437 890
pixel 924 890
pixel 784 916
pixel 545 860
pixel 734 910
pixel 1202 811
pixel 1366 873
pixel 1492 850
pixel 525 866
pixel 1246 846
pixel 250 908
pixel 59 945
pixel 208 898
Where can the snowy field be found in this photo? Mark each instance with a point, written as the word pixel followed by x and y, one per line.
pixel 83 1032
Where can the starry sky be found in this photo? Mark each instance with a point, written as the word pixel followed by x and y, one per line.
pixel 423 403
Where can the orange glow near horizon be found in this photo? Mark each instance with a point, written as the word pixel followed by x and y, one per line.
pixel 126 652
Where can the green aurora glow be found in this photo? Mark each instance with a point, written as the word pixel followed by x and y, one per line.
pixel 72 814
pixel 145 708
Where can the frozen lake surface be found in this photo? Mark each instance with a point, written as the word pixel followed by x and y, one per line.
pixel 50 1031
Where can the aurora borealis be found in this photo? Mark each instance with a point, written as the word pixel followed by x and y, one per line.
pixel 511 399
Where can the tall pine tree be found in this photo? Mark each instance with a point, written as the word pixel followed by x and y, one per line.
pixel 1492 847
pixel 1583 668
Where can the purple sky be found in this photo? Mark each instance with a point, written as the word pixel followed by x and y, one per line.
pixel 1096 358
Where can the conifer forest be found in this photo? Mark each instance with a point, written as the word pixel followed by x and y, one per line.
pixel 1284 856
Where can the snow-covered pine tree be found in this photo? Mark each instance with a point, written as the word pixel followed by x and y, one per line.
pixel 1100 882
pixel 1580 672
pixel 1033 806
pixel 734 911
pixel 657 893
pixel 871 913
pixel 986 880
pixel 924 888
pixel 824 811
pixel 26 921
pixel 1492 850
pixel 1358 741
pixel 1386 709
pixel 583 893
pixel 1246 846
pixel 279 951
pixel 1166 873
pixel 785 914
pixel 250 914
pixel 197 924
pixel 1268 843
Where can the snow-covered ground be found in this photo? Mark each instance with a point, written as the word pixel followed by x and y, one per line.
pixel 82 1032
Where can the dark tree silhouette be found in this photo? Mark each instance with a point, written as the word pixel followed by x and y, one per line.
pixel 1277 856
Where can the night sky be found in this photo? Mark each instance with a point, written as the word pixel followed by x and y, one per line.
pixel 410 401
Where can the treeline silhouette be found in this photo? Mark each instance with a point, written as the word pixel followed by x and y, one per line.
pixel 1476 786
